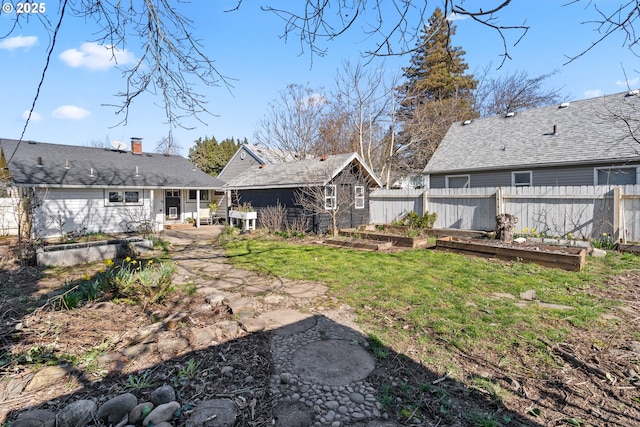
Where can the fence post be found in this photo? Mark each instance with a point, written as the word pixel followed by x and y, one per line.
pixel 499 202
pixel 425 202
pixel 617 197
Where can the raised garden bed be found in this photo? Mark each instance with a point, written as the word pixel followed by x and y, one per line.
pixel 80 253
pixel 395 239
pixel 358 244
pixel 566 258
pixel 629 247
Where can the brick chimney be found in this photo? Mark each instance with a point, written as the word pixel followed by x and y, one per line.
pixel 136 145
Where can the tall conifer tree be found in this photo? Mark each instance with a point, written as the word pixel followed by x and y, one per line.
pixel 437 92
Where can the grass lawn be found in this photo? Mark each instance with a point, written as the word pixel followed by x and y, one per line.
pixel 429 303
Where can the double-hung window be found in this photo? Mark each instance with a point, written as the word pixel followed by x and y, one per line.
pixel 359 197
pixel 330 197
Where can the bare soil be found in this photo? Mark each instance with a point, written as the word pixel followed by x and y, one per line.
pixel 594 379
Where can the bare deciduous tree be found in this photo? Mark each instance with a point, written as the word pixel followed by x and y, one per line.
pixel 291 125
pixel 168 145
pixel 362 97
pixel 513 92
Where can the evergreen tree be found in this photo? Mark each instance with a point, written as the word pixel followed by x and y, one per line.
pixel 437 92
pixel 211 156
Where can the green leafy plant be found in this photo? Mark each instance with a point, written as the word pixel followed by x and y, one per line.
pixel 605 241
pixel 139 382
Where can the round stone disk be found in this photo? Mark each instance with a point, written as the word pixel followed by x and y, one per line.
pixel 333 362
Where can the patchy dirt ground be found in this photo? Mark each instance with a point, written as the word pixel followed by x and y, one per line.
pixel 595 381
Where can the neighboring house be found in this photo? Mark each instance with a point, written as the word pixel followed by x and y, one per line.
pixel 87 189
pixel 408 182
pixel 339 182
pixel 572 144
pixel 245 157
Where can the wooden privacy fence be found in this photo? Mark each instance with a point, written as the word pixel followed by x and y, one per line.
pixel 584 211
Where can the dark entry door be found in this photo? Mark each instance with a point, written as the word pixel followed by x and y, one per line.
pixel 172 204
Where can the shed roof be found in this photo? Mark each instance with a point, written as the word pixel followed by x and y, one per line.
pixel 580 132
pixel 69 166
pixel 301 173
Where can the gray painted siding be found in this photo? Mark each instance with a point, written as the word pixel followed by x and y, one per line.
pixel 237 165
pixel 562 176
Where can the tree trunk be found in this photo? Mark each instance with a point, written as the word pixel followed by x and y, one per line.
pixel 506 227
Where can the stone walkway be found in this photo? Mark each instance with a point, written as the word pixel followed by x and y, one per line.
pixel 318 352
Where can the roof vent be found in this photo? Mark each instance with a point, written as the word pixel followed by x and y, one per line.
pixel 66 164
pixel 633 92
pixel 510 114
pixel 39 164
pixel 466 122
pixel 564 105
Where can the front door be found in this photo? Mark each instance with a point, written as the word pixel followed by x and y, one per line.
pixel 172 205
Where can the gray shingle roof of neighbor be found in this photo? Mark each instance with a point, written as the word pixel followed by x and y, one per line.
pixel 269 155
pixel 70 166
pixel 584 133
pixel 301 173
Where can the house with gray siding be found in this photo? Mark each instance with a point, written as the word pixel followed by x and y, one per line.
pixel 586 142
pixel 340 181
pixel 89 189
pixel 245 157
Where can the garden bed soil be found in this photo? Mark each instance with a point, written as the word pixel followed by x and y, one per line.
pixel 566 258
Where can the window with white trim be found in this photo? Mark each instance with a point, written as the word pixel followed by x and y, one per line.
pixel 172 193
pixel 521 179
pixel 359 196
pixel 204 195
pixel 330 199
pixel 123 197
pixel 617 176
pixel 457 181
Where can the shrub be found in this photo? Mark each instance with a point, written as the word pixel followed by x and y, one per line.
pixel 272 217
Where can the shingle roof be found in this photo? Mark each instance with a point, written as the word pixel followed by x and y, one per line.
pixel 585 133
pixel 301 173
pixel 269 155
pixel 72 166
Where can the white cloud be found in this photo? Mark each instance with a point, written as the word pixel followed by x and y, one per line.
pixel 593 93
pixel 95 56
pixel 35 117
pixel 629 83
pixel 17 42
pixel 70 112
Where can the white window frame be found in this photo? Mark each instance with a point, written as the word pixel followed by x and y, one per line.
pixel 204 196
pixel 513 178
pixel 631 167
pixel 359 196
pixel 172 193
pixel 330 196
pixel 467 185
pixel 122 197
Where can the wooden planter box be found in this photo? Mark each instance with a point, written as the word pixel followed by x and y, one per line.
pixel 571 259
pixel 396 240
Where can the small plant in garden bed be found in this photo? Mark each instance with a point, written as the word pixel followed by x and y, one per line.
pixel 140 282
pixel 604 242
